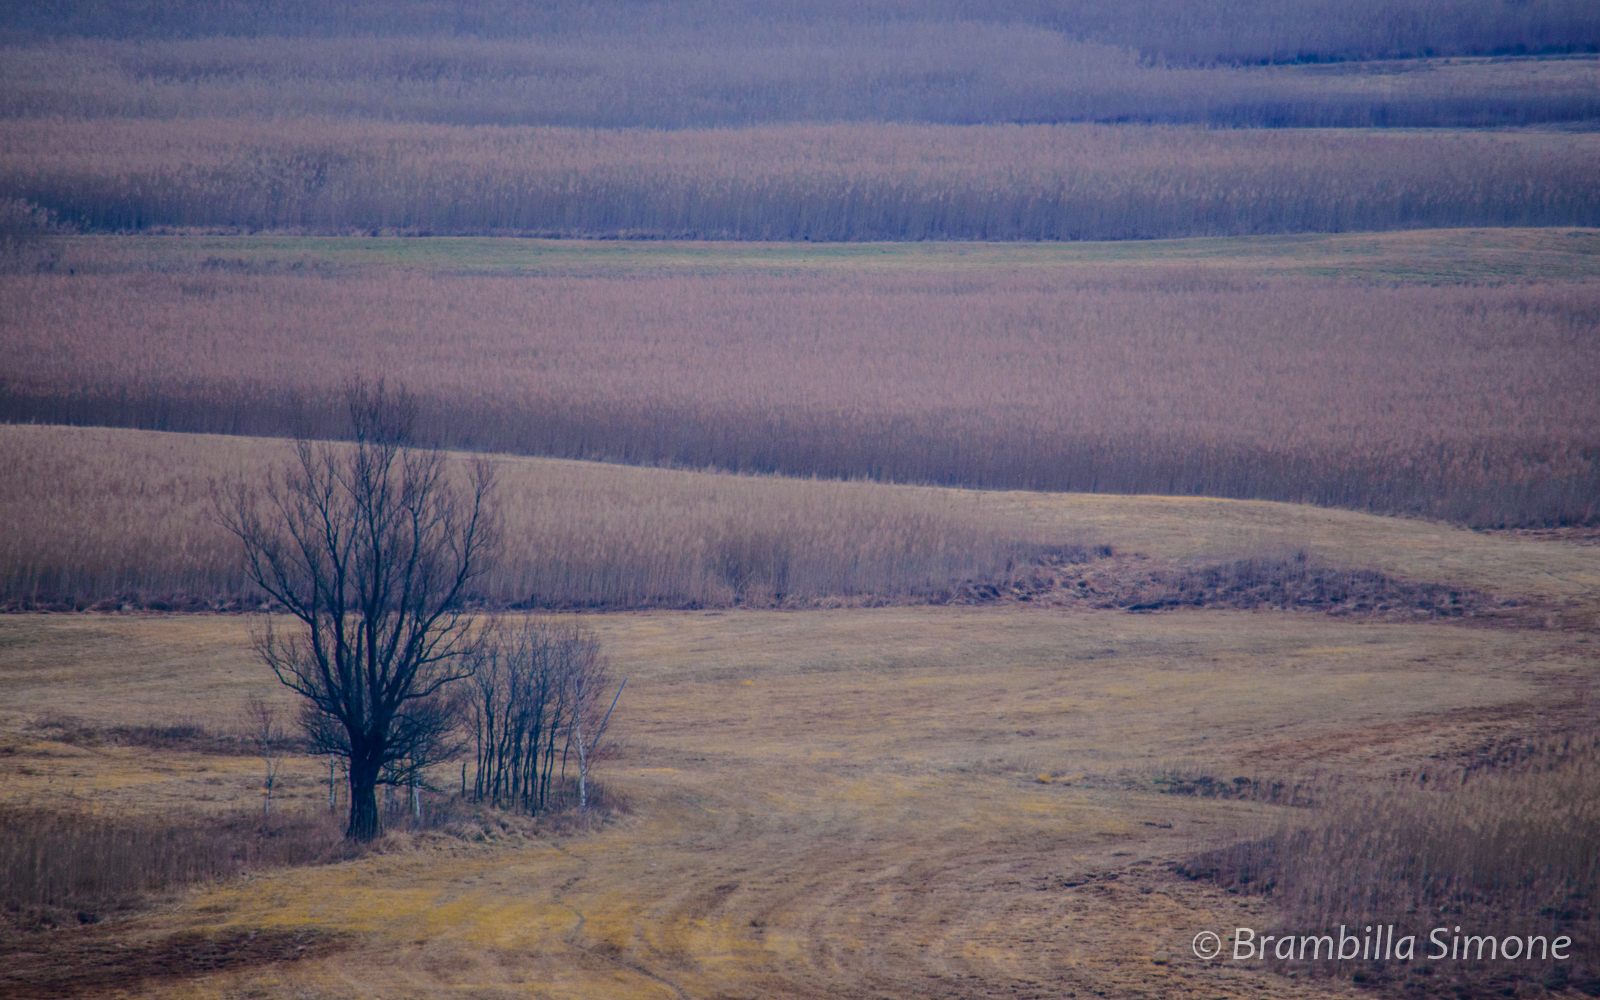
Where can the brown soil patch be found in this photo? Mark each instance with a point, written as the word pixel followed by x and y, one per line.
pixel 1450 741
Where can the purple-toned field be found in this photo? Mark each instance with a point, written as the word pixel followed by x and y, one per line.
pixel 795 182
pixel 1471 403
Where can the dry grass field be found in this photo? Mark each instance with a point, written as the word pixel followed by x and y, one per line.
pixel 110 519
pixel 835 802
pixel 913 800
pixel 1007 799
pixel 830 803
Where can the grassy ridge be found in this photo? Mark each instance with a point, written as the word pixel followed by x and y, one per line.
pixel 111 517
pixel 115 518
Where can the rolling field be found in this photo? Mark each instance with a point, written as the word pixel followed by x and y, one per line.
pixel 114 518
pixel 839 802
pixel 1052 478
pixel 830 803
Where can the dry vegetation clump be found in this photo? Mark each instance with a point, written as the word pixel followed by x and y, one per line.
pixel 1494 852
pixel 803 182
pixel 1205 786
pixel 190 736
pixel 1135 583
pixel 24 228
pixel 560 815
pixel 66 869
pixel 107 520
pixel 1466 403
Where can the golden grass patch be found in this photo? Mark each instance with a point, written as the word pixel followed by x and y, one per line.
pixel 863 818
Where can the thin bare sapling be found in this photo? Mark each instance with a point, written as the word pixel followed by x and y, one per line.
pixel 267 737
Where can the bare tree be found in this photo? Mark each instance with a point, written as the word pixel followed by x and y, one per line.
pixel 371 548
pixel 266 735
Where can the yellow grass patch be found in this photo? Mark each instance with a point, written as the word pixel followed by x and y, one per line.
pixel 866 816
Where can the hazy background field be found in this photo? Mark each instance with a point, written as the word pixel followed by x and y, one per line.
pixel 710 62
pixel 1013 121
pixel 547 119
pixel 1229 31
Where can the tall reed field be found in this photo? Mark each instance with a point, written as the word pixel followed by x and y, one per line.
pixel 1505 852
pixel 717 63
pixel 1196 30
pixel 105 518
pixel 833 183
pixel 1474 404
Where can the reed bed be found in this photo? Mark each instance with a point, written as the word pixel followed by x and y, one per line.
pixel 65 869
pixel 1498 851
pixel 1468 403
pixel 1198 30
pixel 110 518
pixel 841 182
pixel 667 68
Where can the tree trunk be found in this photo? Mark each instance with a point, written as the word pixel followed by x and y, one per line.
pixel 366 823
